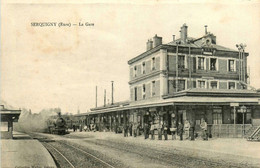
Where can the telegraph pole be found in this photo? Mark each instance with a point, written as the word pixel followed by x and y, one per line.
pixel 190 85
pixel 104 97
pixel 242 62
pixel 112 99
pixel 243 46
pixel 177 67
pixel 239 58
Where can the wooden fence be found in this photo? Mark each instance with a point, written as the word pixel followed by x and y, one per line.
pixel 229 130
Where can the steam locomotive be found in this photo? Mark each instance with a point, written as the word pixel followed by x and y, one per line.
pixel 57 125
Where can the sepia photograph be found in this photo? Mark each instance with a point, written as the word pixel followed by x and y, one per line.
pixel 130 84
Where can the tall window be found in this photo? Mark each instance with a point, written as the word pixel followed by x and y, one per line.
pixel 213 64
pixel 181 85
pixel 231 85
pixel 231 65
pixel 217 115
pixel 135 93
pixel 181 61
pixel 143 68
pixel 153 63
pixel 153 88
pixel 135 71
pixel 213 84
pixel 201 62
pixel 143 91
pixel 201 84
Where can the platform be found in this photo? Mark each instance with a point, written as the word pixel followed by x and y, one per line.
pixel 23 151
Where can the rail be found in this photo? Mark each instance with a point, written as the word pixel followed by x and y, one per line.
pixel 60 154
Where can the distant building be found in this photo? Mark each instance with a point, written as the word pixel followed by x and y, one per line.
pixel 8 116
pixel 188 79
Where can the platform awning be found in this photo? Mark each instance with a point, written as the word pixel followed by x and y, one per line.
pixel 184 100
pixel 9 115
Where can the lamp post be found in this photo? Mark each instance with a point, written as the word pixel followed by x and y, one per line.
pixel 243 110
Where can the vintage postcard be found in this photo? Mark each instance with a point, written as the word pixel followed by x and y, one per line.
pixel 130 83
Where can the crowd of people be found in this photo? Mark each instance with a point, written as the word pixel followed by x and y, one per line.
pixel 179 131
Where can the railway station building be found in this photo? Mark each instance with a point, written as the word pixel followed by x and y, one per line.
pixel 186 79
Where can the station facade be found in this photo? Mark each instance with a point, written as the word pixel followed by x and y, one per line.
pixel 187 79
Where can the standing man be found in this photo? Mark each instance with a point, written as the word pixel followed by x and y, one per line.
pixel 186 129
pixel 192 128
pixel 125 130
pixel 130 129
pixel 204 127
pixel 74 128
pixel 138 129
pixel 116 128
pixel 173 130
pixel 152 131
pixel 160 131
pixel 145 131
pixel 135 129
pixel 180 130
pixel 165 129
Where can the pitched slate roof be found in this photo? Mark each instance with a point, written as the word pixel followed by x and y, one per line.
pixel 198 43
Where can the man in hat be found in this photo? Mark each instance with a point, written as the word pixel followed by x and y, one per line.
pixel 180 130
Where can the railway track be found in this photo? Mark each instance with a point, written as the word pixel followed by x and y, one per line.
pixel 88 152
pixel 50 147
pixel 67 155
pixel 170 158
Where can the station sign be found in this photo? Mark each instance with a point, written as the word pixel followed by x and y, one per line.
pixel 207 53
pixel 234 104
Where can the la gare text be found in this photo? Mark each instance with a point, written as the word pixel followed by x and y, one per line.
pixel 60 24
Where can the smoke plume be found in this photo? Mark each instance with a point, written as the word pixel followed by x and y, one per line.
pixel 36 122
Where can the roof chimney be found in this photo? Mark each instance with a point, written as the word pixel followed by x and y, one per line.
pixel 173 38
pixel 149 45
pixel 157 41
pixel 206 32
pixel 184 32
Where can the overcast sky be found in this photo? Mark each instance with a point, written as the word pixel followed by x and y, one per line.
pixel 47 67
